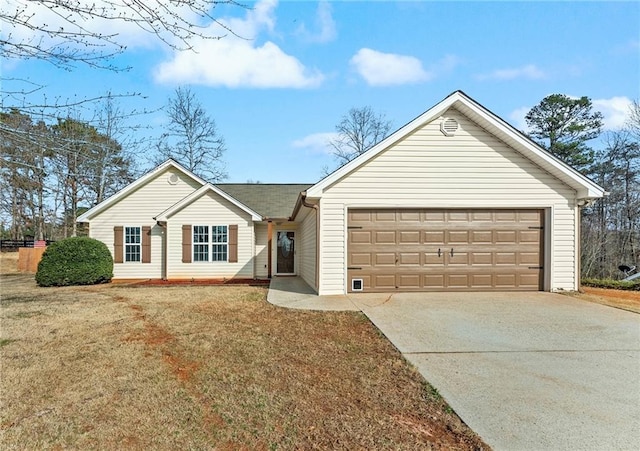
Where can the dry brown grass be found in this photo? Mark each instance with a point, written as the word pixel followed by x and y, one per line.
pixel 627 300
pixel 8 262
pixel 202 368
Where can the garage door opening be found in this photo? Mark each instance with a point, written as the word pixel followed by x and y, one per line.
pixel 437 250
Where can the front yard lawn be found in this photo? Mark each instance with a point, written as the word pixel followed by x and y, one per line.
pixel 115 367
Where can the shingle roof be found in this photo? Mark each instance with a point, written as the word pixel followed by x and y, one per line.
pixel 270 200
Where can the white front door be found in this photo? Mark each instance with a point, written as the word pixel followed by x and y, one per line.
pixel 285 253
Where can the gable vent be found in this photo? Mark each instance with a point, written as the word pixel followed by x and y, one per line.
pixel 449 126
pixel 173 179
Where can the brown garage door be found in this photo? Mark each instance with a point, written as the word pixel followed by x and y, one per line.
pixel 435 250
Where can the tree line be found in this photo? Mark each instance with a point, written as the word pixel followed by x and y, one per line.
pixel 51 172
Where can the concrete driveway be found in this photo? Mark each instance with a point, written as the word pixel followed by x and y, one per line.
pixel 535 371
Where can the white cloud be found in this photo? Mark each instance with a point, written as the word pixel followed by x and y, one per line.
pixel 517 117
pixel 384 69
pixel 317 143
pixel 615 111
pixel 528 72
pixel 238 61
pixel 324 23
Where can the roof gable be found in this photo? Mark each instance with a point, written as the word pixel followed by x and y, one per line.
pixel 208 187
pixel 135 185
pixel 485 119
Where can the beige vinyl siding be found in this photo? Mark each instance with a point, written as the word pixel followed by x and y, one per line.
pixel 307 248
pixel 210 209
pixel 138 209
pixel 262 253
pixel 472 169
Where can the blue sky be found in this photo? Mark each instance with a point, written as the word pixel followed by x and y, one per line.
pixel 277 94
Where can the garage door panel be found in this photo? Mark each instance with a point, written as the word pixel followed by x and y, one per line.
pixel 482 216
pixel 409 237
pixel 433 237
pixel 505 280
pixel 481 237
pixel 481 258
pixel 529 216
pixel 457 280
pixel 432 259
pixel 385 237
pixel 459 258
pixel 385 216
pixel 384 281
pixel 482 280
pixel 384 259
pixel 356 216
pixel 435 216
pixel 433 281
pixel 456 216
pixel 529 236
pixel 359 259
pixel 530 258
pixel 409 216
pixel 409 281
pixel 409 258
pixel 506 258
pixel 530 280
pixel 360 237
pixel 506 216
pixel 457 237
pixel 506 236
pixel 394 250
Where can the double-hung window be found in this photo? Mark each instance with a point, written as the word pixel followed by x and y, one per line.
pixel 210 244
pixel 132 245
pixel 200 243
pixel 219 243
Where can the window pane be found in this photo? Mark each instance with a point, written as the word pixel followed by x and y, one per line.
pixel 219 234
pixel 132 235
pixel 219 253
pixel 200 234
pixel 132 253
pixel 201 252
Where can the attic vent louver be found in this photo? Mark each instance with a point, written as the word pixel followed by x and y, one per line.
pixel 173 179
pixel 449 127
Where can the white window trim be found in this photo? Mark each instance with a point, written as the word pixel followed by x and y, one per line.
pixel 125 244
pixel 210 243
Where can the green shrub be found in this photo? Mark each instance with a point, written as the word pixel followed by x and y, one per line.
pixel 75 261
pixel 633 285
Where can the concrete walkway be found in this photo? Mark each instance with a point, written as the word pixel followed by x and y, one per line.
pixel 293 292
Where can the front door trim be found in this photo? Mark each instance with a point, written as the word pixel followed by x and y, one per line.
pixel 285 264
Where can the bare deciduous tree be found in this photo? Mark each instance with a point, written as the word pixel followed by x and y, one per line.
pixel 192 137
pixel 69 32
pixel 358 131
